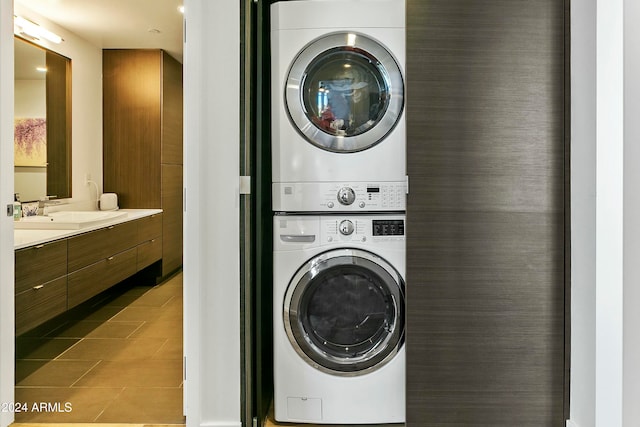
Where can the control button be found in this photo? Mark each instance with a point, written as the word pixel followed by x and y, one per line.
pixel 330 205
pixel 346 195
pixel 364 238
pixel 329 239
pixel 346 227
pixel 362 205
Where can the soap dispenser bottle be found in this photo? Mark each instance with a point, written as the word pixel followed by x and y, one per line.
pixel 17 207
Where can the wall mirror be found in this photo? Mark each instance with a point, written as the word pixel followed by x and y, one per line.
pixel 42 120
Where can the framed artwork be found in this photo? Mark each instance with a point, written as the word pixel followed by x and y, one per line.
pixel 30 142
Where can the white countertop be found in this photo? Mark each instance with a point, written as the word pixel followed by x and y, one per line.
pixel 25 238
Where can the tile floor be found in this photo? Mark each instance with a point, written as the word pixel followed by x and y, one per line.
pixel 121 362
pixel 93 425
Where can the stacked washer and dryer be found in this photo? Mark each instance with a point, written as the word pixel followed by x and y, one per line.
pixel 339 197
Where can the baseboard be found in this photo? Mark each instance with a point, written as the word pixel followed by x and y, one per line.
pixel 571 424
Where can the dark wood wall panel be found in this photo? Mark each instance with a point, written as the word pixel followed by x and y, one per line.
pixel 143 122
pixel 131 126
pixel 58 101
pixel 485 213
pixel 172 218
pixel 171 110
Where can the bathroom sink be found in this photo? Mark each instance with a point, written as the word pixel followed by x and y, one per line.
pixel 68 220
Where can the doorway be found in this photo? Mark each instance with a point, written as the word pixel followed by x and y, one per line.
pixel 128 341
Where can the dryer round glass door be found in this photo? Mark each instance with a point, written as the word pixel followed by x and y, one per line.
pixel 344 92
pixel 344 312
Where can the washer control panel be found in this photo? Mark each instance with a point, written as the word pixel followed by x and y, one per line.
pixel 362 229
pixel 301 232
pixel 339 197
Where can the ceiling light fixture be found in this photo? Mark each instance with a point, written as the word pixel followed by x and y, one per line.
pixel 181 9
pixel 24 27
pixel 41 69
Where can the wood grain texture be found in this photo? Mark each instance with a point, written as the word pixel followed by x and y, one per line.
pixel 171 110
pixel 84 283
pixel 95 261
pixel 149 227
pixel 58 101
pixel 131 126
pixel 39 264
pixel 143 140
pixel 485 213
pixel 171 218
pixel 94 246
pixel 35 306
pixel 148 253
pixel 97 277
pixel 120 266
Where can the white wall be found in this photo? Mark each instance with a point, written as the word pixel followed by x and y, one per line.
pixel 30 98
pixel 609 212
pixel 6 197
pixel 631 355
pixel 86 102
pixel 212 237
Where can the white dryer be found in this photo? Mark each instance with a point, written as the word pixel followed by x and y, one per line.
pixel 339 319
pixel 338 91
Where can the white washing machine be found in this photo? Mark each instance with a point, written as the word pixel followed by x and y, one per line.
pixel 338 92
pixel 338 319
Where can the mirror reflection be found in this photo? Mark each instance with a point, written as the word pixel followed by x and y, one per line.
pixel 42 113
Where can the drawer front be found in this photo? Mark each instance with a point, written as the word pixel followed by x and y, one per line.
pixel 92 247
pixel 90 281
pixel 39 264
pixel 149 252
pixel 149 228
pixel 40 303
pixel 119 267
pixel 87 249
pixel 122 237
pixel 86 282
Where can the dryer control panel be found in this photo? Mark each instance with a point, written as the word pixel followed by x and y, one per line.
pixel 340 197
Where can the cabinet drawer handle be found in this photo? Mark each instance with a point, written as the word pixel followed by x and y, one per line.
pixel 37 288
pixel 153 240
pixel 39 246
pixel 110 258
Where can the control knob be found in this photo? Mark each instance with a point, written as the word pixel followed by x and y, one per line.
pixel 346 196
pixel 346 227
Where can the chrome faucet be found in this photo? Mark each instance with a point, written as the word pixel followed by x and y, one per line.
pixel 44 202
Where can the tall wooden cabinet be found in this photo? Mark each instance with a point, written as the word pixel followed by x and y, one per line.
pixel 486 213
pixel 142 138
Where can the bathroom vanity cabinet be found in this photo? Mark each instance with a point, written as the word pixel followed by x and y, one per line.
pixel 142 139
pixel 40 284
pixel 54 277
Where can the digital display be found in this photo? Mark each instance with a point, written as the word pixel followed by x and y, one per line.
pixel 373 189
pixel 388 227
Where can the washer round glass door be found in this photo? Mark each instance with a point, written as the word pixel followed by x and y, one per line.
pixel 344 92
pixel 344 312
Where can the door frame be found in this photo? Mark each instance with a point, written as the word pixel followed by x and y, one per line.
pixel 7 327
